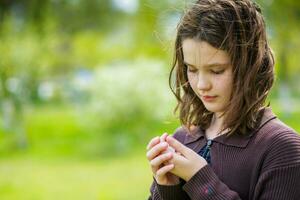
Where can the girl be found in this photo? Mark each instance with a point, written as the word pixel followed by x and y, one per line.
pixel 230 145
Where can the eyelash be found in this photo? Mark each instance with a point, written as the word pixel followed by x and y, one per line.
pixel 192 71
pixel 212 71
pixel 218 72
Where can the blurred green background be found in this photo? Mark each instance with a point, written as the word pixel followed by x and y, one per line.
pixel 84 86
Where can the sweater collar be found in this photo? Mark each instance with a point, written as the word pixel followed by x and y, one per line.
pixel 234 140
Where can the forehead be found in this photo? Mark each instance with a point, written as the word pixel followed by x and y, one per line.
pixel 201 53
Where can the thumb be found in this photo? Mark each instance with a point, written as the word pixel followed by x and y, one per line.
pixel 178 146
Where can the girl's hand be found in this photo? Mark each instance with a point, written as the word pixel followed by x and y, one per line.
pixel 188 163
pixel 157 154
pixel 169 149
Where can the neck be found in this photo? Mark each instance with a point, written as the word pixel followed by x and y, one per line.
pixel 217 121
pixel 215 127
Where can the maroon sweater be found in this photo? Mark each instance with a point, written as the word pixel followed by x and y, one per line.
pixel 265 165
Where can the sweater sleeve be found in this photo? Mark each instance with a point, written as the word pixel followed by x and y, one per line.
pixel 277 184
pixel 206 185
pixel 280 174
pixel 165 192
pixel 279 177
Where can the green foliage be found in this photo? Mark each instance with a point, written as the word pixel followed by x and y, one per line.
pixel 283 25
pixel 129 104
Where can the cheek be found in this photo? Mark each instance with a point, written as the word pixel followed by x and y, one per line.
pixel 192 78
pixel 224 84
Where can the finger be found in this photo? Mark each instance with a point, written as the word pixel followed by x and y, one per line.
pixel 157 149
pixel 153 142
pixel 163 137
pixel 169 149
pixel 157 161
pixel 162 171
pixel 178 146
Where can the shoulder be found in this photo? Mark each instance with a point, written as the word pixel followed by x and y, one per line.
pixel 271 127
pixel 276 131
pixel 281 142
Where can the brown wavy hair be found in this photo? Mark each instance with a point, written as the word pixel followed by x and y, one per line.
pixel 237 27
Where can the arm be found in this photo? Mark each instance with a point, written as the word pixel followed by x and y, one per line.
pixel 174 192
pixel 205 184
pixel 280 176
pixel 280 183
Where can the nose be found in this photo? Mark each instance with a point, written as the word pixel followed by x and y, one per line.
pixel 203 83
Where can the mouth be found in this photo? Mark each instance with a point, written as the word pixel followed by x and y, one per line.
pixel 208 98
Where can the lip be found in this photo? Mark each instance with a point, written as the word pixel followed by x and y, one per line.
pixel 208 98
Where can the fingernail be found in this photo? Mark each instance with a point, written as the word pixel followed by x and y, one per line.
pixel 161 139
pixel 164 144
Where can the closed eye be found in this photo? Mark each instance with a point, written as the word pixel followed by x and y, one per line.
pixel 217 71
pixel 192 70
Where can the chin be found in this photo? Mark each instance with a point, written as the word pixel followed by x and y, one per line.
pixel 212 109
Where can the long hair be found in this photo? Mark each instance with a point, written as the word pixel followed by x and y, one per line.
pixel 237 27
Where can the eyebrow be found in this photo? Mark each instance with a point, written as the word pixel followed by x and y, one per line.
pixel 209 65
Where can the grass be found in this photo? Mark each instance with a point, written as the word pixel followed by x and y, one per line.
pixel 64 161
pixel 35 178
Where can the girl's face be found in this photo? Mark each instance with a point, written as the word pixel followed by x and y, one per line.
pixel 209 74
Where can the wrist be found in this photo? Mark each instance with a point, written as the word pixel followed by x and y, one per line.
pixel 167 183
pixel 174 181
pixel 193 172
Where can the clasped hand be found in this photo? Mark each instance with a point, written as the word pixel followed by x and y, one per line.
pixel 167 165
